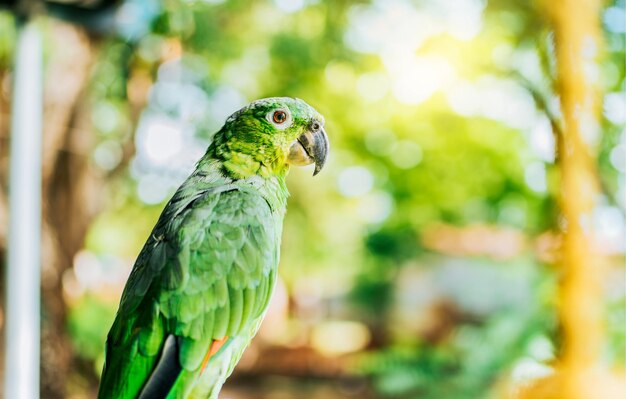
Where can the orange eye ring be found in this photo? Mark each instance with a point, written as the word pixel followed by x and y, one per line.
pixel 279 117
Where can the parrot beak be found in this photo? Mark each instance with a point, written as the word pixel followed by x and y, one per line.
pixel 312 146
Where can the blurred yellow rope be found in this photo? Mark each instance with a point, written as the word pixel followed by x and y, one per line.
pixel 576 37
pixel 576 26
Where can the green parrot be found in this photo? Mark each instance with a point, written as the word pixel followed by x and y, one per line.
pixel 202 282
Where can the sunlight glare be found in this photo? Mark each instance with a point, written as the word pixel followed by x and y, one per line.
pixel 494 98
pixel 388 24
pixel 406 154
pixel 373 86
pixel 375 207
pixel 542 139
pixel 535 176
pixel 333 338
pixel 355 181
pixel 290 6
pixel 340 77
pixel 161 137
pixel 615 107
pixel 463 17
pixel 416 79
pixel 152 189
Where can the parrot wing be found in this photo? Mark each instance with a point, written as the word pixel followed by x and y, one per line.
pixel 205 274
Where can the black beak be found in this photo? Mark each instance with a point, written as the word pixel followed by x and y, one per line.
pixel 315 144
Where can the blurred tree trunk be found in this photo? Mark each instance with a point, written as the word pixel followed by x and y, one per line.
pixel 577 33
pixel 70 199
pixel 579 373
pixel 70 189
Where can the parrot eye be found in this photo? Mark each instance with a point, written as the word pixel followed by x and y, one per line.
pixel 279 117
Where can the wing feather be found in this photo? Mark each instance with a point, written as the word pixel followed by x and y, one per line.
pixel 205 273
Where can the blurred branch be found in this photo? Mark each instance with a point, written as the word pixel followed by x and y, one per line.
pixel 542 104
pixel 556 123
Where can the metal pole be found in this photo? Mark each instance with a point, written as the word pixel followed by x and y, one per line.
pixel 24 256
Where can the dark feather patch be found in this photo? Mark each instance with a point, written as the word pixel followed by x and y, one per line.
pixel 165 373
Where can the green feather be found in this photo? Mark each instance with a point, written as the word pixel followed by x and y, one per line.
pixel 248 303
pixel 222 318
pixel 236 310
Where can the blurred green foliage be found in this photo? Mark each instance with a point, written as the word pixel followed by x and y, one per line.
pixel 476 358
pixel 438 114
pixel 85 325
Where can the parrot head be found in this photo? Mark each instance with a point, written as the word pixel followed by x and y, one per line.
pixel 268 135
